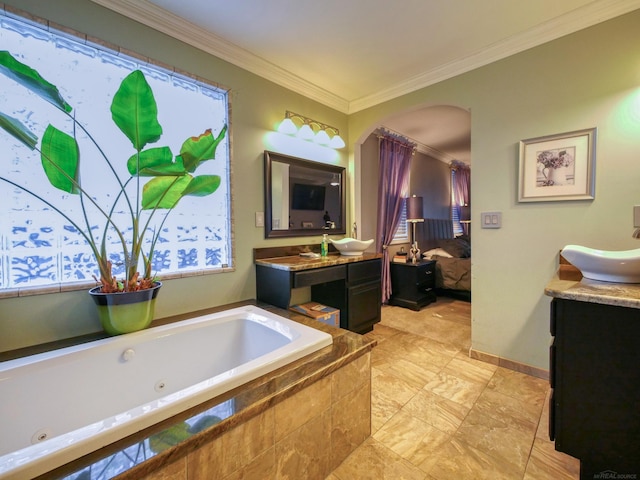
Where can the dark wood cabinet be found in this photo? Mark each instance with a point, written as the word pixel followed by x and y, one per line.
pixel 413 284
pixel 594 412
pixel 353 288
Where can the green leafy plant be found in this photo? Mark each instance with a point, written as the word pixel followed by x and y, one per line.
pixel 170 178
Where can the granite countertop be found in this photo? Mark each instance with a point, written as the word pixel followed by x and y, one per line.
pixel 585 290
pixel 296 262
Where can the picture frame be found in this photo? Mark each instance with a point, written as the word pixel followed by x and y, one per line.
pixel 558 167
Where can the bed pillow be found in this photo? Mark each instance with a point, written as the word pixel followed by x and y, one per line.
pixel 436 252
pixel 456 247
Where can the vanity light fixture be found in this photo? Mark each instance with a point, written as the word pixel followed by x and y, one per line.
pixel 308 129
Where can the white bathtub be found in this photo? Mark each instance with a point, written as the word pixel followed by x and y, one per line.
pixel 60 405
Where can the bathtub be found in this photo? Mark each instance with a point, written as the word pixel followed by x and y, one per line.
pixel 60 405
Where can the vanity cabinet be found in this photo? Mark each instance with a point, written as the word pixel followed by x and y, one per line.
pixel 354 288
pixel 359 298
pixel 594 411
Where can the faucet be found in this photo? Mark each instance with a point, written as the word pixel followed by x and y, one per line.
pixel 354 231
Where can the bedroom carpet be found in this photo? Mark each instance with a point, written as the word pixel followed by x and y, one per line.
pixel 437 414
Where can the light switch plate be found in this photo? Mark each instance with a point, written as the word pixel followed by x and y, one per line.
pixel 491 220
pixel 259 219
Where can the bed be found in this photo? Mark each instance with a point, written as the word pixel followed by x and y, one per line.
pixel 452 255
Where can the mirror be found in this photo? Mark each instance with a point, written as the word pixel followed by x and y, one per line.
pixel 302 197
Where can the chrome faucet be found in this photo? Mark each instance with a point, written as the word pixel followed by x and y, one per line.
pixel 354 231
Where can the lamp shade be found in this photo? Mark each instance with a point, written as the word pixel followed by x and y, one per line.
pixel 287 127
pixel 414 208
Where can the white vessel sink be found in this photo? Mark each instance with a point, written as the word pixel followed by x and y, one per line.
pixel 351 246
pixel 607 266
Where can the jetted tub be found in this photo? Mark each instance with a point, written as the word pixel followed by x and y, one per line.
pixel 60 405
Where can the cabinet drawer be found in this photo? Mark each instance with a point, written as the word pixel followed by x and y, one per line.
pixel 425 276
pixel 319 275
pixel 367 270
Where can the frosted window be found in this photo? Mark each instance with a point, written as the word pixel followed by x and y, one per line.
pixel 37 246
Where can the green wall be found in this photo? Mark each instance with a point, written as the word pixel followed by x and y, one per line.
pixel 257 107
pixel 590 78
pixel 587 79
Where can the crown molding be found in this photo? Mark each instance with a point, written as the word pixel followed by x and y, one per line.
pixel 566 24
pixel 434 153
pixel 166 22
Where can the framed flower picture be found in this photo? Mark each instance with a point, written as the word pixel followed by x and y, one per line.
pixel 558 167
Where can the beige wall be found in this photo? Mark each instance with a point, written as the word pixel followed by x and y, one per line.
pixel 257 107
pixel 588 79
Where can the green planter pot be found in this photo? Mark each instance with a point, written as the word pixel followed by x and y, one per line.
pixel 125 312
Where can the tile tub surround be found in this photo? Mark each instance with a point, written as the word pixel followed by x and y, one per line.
pixel 306 416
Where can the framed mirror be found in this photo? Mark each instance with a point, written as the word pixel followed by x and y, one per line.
pixel 302 197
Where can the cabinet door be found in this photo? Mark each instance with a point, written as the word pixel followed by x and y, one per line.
pixel 364 306
pixel 597 381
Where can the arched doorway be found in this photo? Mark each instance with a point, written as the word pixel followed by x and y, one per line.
pixel 443 135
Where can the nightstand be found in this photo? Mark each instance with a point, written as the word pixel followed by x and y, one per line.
pixel 413 284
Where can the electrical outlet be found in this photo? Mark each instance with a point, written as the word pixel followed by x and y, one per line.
pixel 259 219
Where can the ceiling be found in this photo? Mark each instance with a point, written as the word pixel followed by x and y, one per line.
pixel 353 54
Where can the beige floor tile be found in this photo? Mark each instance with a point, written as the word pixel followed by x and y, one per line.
pixel 459 461
pixel 519 385
pixel 522 415
pixel 439 412
pixel 388 395
pixel 470 369
pixel 546 463
pixel 455 388
pixel 415 375
pixel 410 437
pixel 502 438
pixel 543 424
pixel 374 461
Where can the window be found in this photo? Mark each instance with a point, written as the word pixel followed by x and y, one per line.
pixel 402 232
pixel 38 248
pixel 455 209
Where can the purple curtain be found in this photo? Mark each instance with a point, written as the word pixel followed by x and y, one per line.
pixel 393 180
pixel 461 188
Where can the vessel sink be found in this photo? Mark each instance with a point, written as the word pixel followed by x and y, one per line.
pixel 351 246
pixel 621 266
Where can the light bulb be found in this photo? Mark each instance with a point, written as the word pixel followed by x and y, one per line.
pixel 322 138
pixel 337 142
pixel 305 132
pixel 287 127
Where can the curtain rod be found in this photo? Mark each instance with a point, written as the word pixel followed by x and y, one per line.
pixel 384 132
pixel 454 164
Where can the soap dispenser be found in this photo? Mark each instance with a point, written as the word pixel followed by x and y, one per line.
pixel 324 246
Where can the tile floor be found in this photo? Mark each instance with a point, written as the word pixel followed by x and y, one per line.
pixel 438 414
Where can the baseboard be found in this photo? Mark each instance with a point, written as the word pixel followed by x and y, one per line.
pixel 510 364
